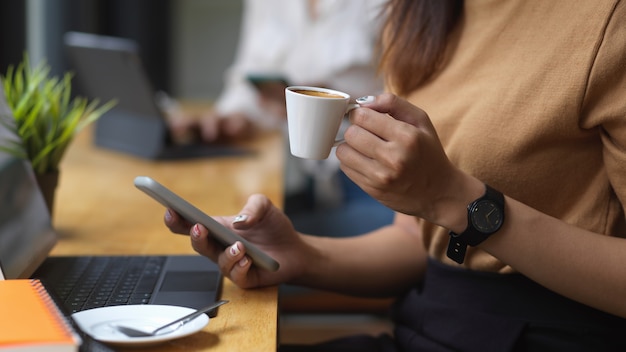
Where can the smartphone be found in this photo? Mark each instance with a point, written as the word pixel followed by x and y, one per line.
pixel 194 215
pixel 264 81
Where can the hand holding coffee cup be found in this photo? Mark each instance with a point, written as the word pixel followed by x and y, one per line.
pixel 313 119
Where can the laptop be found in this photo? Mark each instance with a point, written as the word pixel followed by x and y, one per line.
pixel 109 68
pixel 83 282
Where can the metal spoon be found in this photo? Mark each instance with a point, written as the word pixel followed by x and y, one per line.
pixel 132 332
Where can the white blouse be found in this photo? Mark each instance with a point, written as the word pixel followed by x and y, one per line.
pixel 336 48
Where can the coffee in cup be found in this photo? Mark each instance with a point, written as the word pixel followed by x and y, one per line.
pixel 314 116
pixel 317 93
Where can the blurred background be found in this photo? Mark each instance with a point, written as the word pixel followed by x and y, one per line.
pixel 185 44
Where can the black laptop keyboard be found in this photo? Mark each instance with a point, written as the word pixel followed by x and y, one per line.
pixel 93 282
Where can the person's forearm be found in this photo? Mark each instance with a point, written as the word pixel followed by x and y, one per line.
pixel 584 266
pixel 581 265
pixel 379 264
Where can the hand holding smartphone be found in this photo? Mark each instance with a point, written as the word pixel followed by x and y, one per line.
pixel 270 87
pixel 194 215
pixel 263 81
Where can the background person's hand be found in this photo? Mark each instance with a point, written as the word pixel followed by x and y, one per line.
pixel 183 126
pixel 208 126
pixel 231 127
pixel 271 98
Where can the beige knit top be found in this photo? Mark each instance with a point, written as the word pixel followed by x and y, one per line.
pixel 533 102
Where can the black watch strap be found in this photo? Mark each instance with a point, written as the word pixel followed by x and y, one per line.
pixel 472 236
pixel 456 250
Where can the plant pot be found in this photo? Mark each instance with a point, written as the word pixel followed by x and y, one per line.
pixel 48 183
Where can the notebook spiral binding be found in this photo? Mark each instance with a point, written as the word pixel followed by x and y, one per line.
pixel 62 321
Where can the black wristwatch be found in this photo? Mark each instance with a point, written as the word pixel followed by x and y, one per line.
pixel 485 217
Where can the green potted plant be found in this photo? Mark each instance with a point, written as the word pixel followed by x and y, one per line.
pixel 46 118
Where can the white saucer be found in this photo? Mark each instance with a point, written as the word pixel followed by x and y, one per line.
pixel 98 323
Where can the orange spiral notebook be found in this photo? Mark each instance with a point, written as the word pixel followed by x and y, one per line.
pixel 31 321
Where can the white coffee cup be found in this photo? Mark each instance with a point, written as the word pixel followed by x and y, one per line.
pixel 314 116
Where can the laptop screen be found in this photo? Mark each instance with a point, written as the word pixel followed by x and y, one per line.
pixel 26 234
pixel 110 68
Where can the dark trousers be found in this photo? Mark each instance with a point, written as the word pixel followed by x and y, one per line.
pixel 462 310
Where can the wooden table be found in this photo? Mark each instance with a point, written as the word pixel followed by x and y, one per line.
pixel 98 210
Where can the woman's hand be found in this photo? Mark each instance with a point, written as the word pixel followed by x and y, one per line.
pixel 264 225
pixel 393 152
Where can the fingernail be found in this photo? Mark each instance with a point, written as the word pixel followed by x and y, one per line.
pixel 366 99
pixel 195 231
pixel 168 215
pixel 234 249
pixel 240 218
pixel 243 261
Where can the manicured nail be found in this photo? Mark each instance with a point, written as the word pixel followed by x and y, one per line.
pixel 243 261
pixel 240 218
pixel 168 215
pixel 234 249
pixel 366 99
pixel 195 231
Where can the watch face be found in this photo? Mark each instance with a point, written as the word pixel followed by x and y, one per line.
pixel 486 216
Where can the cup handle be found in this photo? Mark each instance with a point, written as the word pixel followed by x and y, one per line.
pixel 350 108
